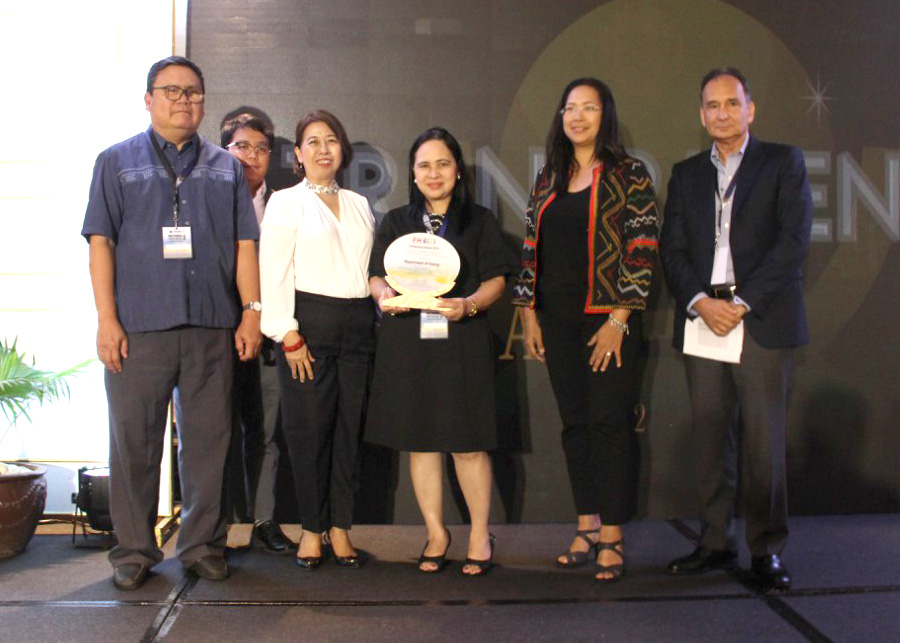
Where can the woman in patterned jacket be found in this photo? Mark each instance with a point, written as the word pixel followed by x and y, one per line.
pixel 587 265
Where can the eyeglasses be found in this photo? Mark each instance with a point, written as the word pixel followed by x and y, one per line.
pixel 569 110
pixel 174 93
pixel 244 148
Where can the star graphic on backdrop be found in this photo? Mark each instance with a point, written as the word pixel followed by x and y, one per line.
pixel 818 99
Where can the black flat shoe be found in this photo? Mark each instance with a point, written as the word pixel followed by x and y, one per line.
pixel 210 567
pixel 269 536
pixel 130 576
pixel 701 561
pixel 439 561
pixel 484 566
pixel 770 572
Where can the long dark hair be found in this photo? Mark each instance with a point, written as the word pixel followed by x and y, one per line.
pixel 460 200
pixel 608 148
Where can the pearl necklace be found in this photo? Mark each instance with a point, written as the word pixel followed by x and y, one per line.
pixel 321 189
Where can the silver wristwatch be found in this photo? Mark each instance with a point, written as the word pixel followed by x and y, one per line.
pixel 253 305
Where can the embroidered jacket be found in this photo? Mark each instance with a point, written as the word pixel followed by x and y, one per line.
pixel 622 238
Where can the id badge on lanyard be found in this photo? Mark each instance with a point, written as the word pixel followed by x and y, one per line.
pixel 433 325
pixel 720 259
pixel 177 243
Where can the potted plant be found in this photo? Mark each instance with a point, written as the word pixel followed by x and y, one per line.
pixel 23 489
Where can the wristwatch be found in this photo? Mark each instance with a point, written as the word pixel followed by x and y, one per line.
pixel 253 305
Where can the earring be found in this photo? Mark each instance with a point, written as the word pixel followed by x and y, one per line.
pixel 458 176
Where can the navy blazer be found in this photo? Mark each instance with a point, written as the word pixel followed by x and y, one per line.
pixel 770 227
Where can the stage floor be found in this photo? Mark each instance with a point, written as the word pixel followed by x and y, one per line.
pixel 846 572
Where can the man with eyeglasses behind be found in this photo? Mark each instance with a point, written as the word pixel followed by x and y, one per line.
pixel 172 232
pixel 252 471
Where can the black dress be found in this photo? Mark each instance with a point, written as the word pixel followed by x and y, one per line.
pixel 438 394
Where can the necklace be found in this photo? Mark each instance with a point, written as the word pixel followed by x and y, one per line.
pixel 321 189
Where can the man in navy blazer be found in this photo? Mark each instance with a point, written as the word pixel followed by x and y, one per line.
pixel 735 234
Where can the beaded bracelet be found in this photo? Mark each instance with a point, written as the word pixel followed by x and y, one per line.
pixel 620 326
pixel 474 310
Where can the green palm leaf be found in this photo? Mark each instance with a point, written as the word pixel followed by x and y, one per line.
pixel 21 384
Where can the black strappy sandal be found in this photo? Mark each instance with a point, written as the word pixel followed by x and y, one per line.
pixel 616 571
pixel 580 558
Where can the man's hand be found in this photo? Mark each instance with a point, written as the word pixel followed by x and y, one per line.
pixel 112 344
pixel 247 338
pixel 720 315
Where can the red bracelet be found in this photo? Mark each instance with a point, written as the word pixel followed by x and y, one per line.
pixel 296 347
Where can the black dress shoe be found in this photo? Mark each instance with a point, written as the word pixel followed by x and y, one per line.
pixel 130 576
pixel 770 572
pixel 210 567
pixel 702 560
pixel 270 537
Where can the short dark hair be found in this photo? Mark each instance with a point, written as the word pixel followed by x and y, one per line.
pixel 712 74
pixel 321 116
pixel 181 61
pixel 246 121
pixel 461 199
pixel 607 148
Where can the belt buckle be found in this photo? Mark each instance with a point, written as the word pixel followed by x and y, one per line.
pixel 723 291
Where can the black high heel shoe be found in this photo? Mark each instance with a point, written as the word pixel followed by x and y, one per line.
pixel 484 566
pixel 440 562
pixel 353 561
pixel 311 562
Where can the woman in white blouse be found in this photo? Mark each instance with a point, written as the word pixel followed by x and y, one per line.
pixel 314 255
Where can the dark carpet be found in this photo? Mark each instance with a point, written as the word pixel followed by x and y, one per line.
pixel 846 588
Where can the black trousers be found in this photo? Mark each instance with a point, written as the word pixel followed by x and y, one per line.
pixel 597 411
pixel 255 453
pixel 322 418
pixel 752 395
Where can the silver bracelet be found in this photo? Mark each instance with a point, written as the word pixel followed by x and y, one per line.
pixel 622 327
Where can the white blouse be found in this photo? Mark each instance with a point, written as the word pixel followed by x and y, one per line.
pixel 303 246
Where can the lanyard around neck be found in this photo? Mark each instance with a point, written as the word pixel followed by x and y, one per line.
pixel 430 227
pixel 177 180
pixel 723 201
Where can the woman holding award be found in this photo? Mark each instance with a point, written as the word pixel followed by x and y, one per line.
pixel 587 265
pixel 433 390
pixel 314 253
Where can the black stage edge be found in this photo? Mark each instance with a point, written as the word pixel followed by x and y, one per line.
pixel 846 588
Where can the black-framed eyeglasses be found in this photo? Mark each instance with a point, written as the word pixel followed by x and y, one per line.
pixel 174 93
pixel 245 148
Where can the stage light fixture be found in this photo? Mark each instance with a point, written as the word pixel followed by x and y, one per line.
pixel 92 498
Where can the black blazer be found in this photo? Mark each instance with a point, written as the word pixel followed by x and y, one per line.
pixel 770 227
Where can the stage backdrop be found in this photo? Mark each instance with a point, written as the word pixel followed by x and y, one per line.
pixel 823 76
